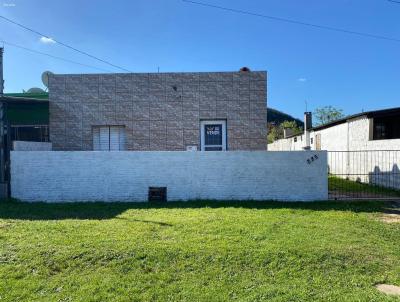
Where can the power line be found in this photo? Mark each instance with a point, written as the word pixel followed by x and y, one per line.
pixel 394 1
pixel 293 21
pixel 63 44
pixel 51 56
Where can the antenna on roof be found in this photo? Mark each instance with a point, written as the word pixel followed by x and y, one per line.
pixel 45 78
pixel 305 101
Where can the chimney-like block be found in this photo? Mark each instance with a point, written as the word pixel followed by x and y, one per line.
pixel 307 120
pixel 307 128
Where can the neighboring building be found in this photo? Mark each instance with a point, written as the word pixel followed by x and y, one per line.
pixel 373 130
pixel 209 111
pixel 28 116
pixel 367 146
pixel 22 117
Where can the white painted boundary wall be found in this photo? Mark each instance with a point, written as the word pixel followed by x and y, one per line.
pixel 31 146
pixel 126 175
pixel 380 166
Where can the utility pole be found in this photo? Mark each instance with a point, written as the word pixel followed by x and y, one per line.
pixel 1 72
pixel 3 182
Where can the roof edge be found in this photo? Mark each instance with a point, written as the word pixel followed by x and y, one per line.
pixel 21 99
pixel 369 114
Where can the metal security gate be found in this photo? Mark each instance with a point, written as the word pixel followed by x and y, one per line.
pixel 372 174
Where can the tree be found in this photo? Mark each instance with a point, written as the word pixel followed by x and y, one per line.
pixel 327 114
pixel 276 132
pixel 291 125
pixel 273 133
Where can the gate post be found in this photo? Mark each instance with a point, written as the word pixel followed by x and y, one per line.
pixel 3 152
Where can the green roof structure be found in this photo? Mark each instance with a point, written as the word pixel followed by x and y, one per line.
pixel 27 108
pixel 40 96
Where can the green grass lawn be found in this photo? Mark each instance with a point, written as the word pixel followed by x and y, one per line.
pixel 197 251
pixel 347 186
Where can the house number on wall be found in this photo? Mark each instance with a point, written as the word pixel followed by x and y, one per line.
pixel 312 159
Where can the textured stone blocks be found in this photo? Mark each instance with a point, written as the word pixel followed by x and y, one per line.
pixel 141 145
pixel 174 139
pixel 208 104
pixel 140 111
pixel 190 105
pixel 160 111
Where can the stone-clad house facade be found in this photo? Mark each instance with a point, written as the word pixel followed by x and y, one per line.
pixel 159 111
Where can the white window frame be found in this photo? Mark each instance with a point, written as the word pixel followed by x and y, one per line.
pixel 202 133
pixel 97 143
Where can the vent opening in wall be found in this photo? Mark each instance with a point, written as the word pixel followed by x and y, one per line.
pixel 157 194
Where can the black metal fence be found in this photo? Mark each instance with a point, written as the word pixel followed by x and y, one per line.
pixel 372 174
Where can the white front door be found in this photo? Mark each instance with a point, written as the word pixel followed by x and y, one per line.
pixel 213 135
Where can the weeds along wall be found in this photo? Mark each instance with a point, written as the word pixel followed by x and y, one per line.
pixel 68 176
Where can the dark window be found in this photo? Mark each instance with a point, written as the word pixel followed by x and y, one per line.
pixel 381 131
pixel 386 127
pixel 30 133
pixel 295 139
pixel 213 134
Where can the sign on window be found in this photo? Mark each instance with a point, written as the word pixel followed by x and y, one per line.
pixel 213 135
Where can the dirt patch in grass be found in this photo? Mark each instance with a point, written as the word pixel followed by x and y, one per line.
pixel 392 213
pixel 391 218
pixel 389 289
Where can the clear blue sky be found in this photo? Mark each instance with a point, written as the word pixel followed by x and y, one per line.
pixel 325 68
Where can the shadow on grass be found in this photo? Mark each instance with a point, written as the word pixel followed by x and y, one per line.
pixel 344 186
pixel 102 210
pixel 160 223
